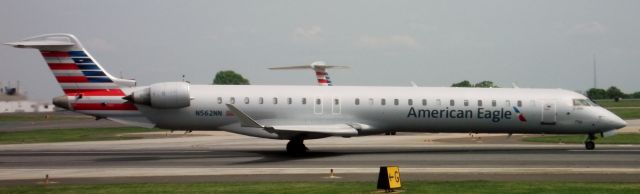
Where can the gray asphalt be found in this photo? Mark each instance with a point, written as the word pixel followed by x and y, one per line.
pixel 472 159
pixel 224 157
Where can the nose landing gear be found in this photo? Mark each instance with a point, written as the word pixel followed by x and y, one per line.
pixel 588 143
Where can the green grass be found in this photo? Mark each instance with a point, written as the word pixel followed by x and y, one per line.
pixel 64 135
pixel 623 138
pixel 626 113
pixel 39 117
pixel 625 108
pixel 336 187
pixel 621 103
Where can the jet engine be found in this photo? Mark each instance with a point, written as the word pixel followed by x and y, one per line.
pixel 168 95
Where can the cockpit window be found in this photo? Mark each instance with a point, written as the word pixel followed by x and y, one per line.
pixel 592 103
pixel 581 102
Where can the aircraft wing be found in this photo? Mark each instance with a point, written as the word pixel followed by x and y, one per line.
pixel 336 129
pixel 339 129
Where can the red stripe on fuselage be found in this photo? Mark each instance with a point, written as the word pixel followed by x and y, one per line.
pixel 104 106
pixel 94 92
pixel 54 54
pixel 72 79
pixel 63 66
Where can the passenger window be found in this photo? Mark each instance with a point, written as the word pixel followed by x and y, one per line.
pixel 479 103
pixel 336 101
pixel 424 102
pixel 304 100
pixel 357 101
pixel 466 102
pixel 410 102
pixel 438 102
pixel 452 102
pixel 519 103
pixel 318 101
pixel 370 101
pixel 275 100
pixel 494 103
pixel 396 102
pixel 232 100
pixel 507 103
pixel 261 100
pixel 219 100
pixel 289 100
pixel 383 101
pixel 246 100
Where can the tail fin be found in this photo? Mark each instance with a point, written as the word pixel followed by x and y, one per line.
pixel 319 67
pixel 77 72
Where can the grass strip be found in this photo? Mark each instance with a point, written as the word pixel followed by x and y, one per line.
pixel 621 103
pixel 622 138
pixel 66 135
pixel 335 187
pixel 15 117
pixel 626 113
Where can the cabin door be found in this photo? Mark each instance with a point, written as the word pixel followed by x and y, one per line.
pixel 548 113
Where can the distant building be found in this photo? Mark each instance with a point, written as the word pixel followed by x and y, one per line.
pixel 13 100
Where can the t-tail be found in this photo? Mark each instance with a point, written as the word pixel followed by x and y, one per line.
pixel 88 88
pixel 320 69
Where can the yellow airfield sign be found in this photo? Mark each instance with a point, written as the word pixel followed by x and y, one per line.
pixel 389 178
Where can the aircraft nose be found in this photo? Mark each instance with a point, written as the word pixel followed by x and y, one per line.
pixel 614 122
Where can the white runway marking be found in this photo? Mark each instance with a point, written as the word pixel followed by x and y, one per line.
pixel 23 174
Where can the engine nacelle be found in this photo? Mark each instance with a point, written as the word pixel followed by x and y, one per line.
pixel 166 95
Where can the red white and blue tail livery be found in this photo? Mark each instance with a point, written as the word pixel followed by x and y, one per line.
pixel 88 88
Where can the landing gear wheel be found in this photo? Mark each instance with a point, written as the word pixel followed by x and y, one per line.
pixel 296 146
pixel 590 145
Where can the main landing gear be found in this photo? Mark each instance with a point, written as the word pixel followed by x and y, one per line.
pixel 588 143
pixel 296 146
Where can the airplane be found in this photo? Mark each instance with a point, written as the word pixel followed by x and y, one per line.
pixel 320 67
pixel 298 113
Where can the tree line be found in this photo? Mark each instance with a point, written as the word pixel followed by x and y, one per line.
pixel 610 93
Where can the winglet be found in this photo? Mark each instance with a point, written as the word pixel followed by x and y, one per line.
pixel 245 120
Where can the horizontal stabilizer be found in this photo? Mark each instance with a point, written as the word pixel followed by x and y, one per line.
pixel 48 40
pixel 315 66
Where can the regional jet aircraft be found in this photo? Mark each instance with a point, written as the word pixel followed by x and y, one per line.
pixel 296 113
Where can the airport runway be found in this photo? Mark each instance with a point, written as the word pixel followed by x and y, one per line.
pixel 229 157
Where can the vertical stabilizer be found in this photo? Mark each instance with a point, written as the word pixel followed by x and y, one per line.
pixel 77 72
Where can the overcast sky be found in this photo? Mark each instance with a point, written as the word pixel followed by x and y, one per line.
pixel 542 44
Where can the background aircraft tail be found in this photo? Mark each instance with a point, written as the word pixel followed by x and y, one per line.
pixel 77 72
pixel 319 67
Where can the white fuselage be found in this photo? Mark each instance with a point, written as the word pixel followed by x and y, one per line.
pixel 383 109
